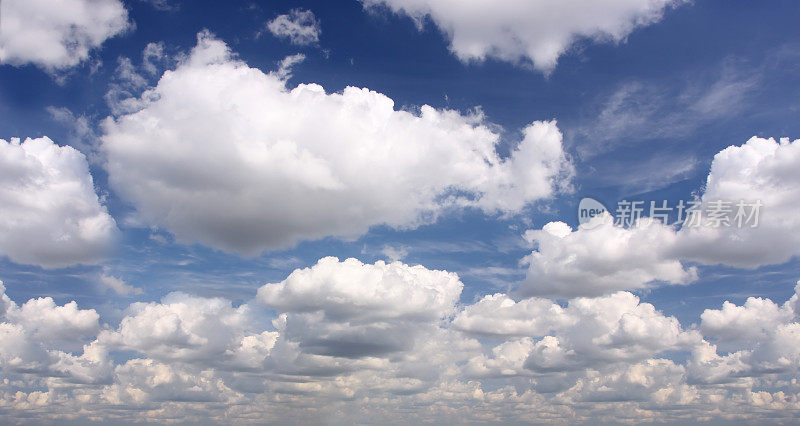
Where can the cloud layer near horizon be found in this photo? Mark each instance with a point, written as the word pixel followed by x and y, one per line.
pixel 384 336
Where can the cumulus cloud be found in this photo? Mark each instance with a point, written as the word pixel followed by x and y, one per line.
pixel 528 31
pixel 35 335
pixel 759 171
pixel 755 339
pixel 367 341
pixel 499 314
pixel 604 257
pixel 355 311
pixel 351 290
pixel 145 383
pixel 56 36
pixel 50 214
pixel 192 329
pixel 299 26
pixel 248 164
pixel 588 332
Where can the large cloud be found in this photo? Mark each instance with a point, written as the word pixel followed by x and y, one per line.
pixel 761 170
pixel 223 154
pixel 537 31
pixel 195 359
pixel 57 35
pixel 601 257
pixel 49 213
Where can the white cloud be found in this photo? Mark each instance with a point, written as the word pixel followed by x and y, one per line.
pixel 760 338
pixel 607 257
pixel 351 290
pixel 57 35
pixel 249 165
pixel 760 170
pixel 34 336
pixel 197 359
pixel 394 252
pixel 284 71
pixel 192 329
pixel 525 31
pixel 656 382
pixel 353 310
pixel 299 26
pixel 49 213
pixel 587 333
pixel 130 80
pixel 145 383
pixel 602 259
pixel 749 322
pixel 119 286
pixel 152 55
pixel 48 322
pixel 499 314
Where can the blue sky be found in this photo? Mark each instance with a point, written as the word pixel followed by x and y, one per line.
pixel 641 117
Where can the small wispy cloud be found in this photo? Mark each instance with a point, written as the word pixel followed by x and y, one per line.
pixel 119 286
pixel 299 26
pixel 639 110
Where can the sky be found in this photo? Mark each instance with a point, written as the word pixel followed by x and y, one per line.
pixel 369 211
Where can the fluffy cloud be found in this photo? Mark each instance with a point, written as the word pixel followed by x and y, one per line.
pixel 299 26
pixel 499 314
pixel 588 332
pixel 48 322
pixel 603 257
pixel 147 383
pixel 247 164
pixel 528 31
pixel 198 359
pixel 34 336
pixel 49 213
pixel 351 290
pixel 336 312
pixel 749 322
pixel 759 338
pixel 761 170
pixel 191 329
pixel 655 382
pixel 57 35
